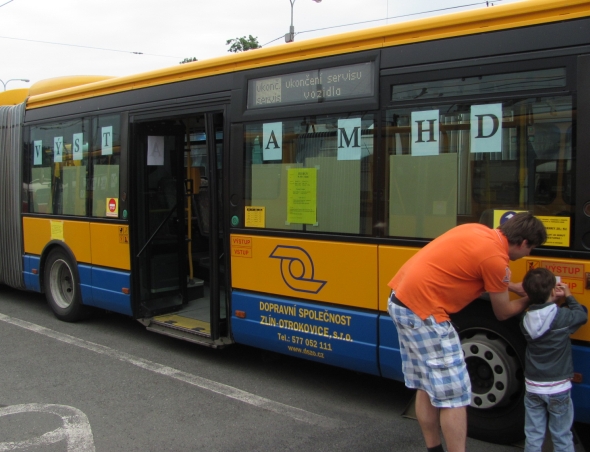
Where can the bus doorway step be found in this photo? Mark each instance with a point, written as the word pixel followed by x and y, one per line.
pixel 189 330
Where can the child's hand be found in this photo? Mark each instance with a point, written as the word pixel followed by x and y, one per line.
pixel 562 290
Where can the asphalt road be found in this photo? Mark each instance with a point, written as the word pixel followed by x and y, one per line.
pixel 107 384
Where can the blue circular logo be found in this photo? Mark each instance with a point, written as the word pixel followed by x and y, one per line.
pixel 507 216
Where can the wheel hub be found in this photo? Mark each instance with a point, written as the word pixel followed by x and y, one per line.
pixel 62 287
pixel 492 367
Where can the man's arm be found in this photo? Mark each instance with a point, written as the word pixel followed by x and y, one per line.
pixel 517 289
pixel 504 308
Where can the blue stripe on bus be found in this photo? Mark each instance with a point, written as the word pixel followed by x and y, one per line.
pixel 31 280
pixel 106 290
pixel 581 391
pixel 99 287
pixel 340 337
pixel 85 273
pixel 390 360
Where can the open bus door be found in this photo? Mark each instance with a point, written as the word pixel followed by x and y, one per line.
pixel 179 262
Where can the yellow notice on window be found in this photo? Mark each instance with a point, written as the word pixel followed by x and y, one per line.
pixel 302 195
pixel 57 230
pixel 558 230
pixel 255 216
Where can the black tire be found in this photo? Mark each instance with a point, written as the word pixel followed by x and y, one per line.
pixel 494 354
pixel 62 287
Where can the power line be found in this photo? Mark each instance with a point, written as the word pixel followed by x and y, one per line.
pixel 487 3
pixel 6 3
pixel 87 47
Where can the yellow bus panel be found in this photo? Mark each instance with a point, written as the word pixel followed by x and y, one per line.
pixel 101 244
pixel 14 96
pixel 391 259
pixel 37 232
pixel 575 273
pixel 110 245
pixel 340 273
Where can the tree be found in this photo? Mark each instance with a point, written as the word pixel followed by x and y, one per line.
pixel 188 60
pixel 243 44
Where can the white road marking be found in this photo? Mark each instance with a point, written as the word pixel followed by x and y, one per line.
pixel 75 429
pixel 203 383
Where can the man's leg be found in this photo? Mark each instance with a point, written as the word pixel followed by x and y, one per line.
pixel 428 419
pixel 453 422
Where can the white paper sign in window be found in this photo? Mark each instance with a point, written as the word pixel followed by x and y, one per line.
pixel 349 139
pixel 38 152
pixel 155 152
pixel 107 140
pixel 486 128
pixel 58 148
pixel 425 136
pixel 77 144
pixel 272 141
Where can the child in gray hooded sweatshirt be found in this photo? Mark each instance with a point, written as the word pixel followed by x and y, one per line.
pixel 548 362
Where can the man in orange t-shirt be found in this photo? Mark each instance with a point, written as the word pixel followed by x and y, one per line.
pixel 441 279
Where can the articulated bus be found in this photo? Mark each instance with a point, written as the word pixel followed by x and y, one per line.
pixel 267 198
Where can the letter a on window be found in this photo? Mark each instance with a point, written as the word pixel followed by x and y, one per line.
pixel 272 141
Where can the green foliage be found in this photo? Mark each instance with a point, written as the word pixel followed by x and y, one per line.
pixel 188 60
pixel 242 44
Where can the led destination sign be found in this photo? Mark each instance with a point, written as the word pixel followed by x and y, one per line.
pixel 321 85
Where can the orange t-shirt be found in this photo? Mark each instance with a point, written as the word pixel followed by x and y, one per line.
pixel 453 270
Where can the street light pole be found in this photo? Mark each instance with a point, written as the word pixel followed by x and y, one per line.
pixel 290 37
pixel 14 79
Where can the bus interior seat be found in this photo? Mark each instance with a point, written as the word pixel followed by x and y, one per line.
pixel 487 218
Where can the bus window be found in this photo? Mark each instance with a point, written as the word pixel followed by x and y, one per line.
pixel 311 174
pixel 454 163
pixel 59 167
pixel 106 156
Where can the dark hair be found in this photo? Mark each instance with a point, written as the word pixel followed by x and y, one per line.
pixel 524 226
pixel 537 284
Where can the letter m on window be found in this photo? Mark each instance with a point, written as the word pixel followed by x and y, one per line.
pixel 349 139
pixel 349 131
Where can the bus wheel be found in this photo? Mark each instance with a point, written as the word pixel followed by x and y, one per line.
pixel 62 287
pixel 494 355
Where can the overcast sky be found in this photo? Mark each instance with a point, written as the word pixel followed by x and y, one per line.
pixel 41 39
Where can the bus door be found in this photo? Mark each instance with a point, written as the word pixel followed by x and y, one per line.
pixel 180 260
pixel 158 217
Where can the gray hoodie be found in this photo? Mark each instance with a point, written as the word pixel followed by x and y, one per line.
pixel 547 329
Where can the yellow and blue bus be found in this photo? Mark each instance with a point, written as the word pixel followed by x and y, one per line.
pixel 266 198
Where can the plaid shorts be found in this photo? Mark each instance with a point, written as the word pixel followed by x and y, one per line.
pixel 432 358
